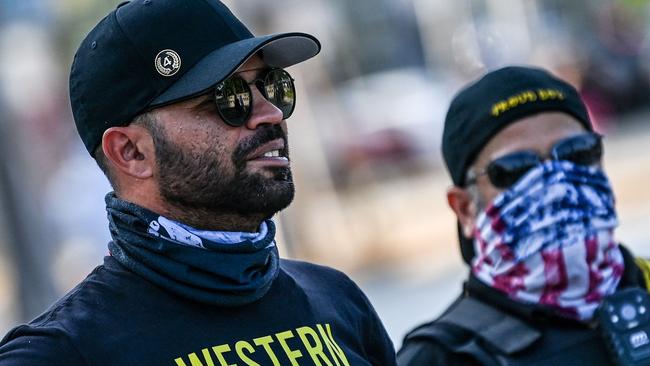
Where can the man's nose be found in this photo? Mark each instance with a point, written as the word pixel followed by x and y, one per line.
pixel 264 112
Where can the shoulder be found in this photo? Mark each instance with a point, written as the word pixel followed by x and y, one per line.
pixel 56 336
pixel 326 285
pixel 428 344
pixel 294 266
pixel 337 295
pixel 314 274
pixel 97 294
pixel 84 295
pixel 424 342
pixel 32 345
pixel 324 282
pixel 421 352
pixel 451 339
pixel 48 339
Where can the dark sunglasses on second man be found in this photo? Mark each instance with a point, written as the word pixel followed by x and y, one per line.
pixel 234 97
pixel 585 149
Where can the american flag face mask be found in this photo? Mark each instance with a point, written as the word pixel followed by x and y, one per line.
pixel 549 239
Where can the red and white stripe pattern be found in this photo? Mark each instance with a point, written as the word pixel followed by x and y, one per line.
pixel 549 240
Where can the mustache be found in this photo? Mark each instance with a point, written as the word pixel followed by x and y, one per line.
pixel 263 135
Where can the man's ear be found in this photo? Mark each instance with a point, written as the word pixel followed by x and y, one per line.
pixel 461 202
pixel 131 151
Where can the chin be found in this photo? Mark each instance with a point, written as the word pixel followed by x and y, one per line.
pixel 265 194
pixel 279 174
pixel 283 174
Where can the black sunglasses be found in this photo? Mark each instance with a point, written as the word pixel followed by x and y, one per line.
pixel 585 149
pixel 234 97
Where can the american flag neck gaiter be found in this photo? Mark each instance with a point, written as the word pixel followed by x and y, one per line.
pixel 549 240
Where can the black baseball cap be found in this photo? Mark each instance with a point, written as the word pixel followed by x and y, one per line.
pixel 498 99
pixel 495 101
pixel 150 53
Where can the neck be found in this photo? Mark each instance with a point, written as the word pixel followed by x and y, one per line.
pixel 203 219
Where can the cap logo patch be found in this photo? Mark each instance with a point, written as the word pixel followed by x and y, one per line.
pixel 524 97
pixel 168 62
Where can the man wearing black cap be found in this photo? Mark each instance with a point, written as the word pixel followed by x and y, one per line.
pixel 536 223
pixel 184 110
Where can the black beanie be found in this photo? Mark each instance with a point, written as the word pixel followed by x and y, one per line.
pixel 498 99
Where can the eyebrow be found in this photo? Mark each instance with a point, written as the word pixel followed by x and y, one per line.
pixel 202 100
pixel 259 70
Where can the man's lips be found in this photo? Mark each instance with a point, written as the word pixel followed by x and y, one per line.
pixel 270 153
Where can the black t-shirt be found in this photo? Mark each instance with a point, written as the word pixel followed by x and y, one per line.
pixel 312 315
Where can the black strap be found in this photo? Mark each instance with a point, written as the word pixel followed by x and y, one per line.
pixel 500 330
pixel 485 325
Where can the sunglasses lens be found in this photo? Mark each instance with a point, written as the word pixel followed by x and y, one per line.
pixel 233 98
pixel 505 171
pixel 280 91
pixel 585 149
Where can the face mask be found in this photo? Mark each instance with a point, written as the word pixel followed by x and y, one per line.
pixel 549 239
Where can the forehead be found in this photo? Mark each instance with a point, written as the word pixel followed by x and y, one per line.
pixel 254 62
pixel 538 133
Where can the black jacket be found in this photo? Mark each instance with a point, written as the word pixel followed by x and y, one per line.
pixel 561 341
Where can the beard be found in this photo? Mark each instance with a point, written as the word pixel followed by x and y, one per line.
pixel 213 181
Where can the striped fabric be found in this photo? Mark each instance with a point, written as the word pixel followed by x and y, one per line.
pixel 549 239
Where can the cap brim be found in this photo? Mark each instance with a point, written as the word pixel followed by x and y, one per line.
pixel 280 50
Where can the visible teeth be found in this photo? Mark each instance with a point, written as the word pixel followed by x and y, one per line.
pixel 272 154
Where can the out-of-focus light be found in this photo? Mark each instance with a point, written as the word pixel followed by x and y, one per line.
pixel 28 69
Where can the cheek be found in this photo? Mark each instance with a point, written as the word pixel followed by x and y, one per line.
pixel 487 193
pixel 491 195
pixel 212 136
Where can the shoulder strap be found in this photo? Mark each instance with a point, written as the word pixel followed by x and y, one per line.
pixel 486 325
pixel 644 266
pixel 496 328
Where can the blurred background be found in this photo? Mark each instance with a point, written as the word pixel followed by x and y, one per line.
pixel 365 136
